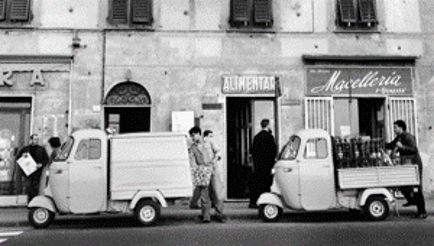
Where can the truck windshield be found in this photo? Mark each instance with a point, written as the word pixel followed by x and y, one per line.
pixel 290 150
pixel 65 149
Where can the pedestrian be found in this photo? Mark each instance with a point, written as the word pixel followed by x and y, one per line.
pixel 215 186
pixel 39 154
pixel 202 171
pixel 405 144
pixel 54 143
pixel 264 151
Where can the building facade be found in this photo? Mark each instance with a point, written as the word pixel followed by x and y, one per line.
pixel 351 67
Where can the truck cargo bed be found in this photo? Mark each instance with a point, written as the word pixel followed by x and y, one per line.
pixel 370 177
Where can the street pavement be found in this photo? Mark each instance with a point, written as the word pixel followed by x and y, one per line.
pixel 181 214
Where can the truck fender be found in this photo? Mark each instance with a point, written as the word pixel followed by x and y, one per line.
pixel 377 191
pixel 270 198
pixel 148 194
pixel 43 202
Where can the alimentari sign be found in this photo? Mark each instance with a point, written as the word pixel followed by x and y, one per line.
pixel 247 84
pixel 345 81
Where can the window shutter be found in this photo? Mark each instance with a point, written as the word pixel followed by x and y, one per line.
pixel 367 11
pixel 347 10
pixel 241 10
pixel 262 11
pixel 119 11
pixel 141 11
pixel 20 10
pixel 402 109
pixel 2 9
pixel 318 113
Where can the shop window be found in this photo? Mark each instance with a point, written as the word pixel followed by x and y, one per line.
pixel 88 149
pixel 251 13
pixel 357 14
pixel 316 149
pixel 131 12
pixel 14 11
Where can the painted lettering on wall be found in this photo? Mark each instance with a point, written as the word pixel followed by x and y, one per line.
pixel 239 84
pixel 6 77
pixel 387 81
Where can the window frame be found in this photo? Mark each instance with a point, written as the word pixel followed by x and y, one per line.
pixel 19 17
pixel 88 142
pixel 130 20
pixel 316 140
pixel 250 22
pixel 358 25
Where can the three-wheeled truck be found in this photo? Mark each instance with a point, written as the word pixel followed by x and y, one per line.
pixel 308 177
pixel 97 173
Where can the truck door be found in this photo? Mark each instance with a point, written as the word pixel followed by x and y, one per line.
pixel 316 176
pixel 88 182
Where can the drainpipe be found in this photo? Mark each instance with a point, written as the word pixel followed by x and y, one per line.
pixel 104 38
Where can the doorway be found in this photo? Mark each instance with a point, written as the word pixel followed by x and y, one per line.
pixel 243 117
pixel 14 134
pixel 128 119
pixel 360 117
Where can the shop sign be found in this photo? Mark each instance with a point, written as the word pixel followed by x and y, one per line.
pixel 345 81
pixel 249 84
pixel 6 78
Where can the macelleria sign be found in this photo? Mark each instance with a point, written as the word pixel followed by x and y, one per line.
pixel 357 81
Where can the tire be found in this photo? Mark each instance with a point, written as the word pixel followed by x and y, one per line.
pixel 147 212
pixel 40 217
pixel 376 208
pixel 270 212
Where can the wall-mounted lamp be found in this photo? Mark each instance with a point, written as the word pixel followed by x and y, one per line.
pixel 76 41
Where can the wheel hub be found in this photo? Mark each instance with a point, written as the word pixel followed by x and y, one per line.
pixel 271 211
pixel 41 215
pixel 147 213
pixel 377 209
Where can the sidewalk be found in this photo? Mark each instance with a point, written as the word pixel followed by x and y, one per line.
pixel 237 211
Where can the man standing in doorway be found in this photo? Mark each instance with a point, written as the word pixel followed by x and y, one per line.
pixel 405 144
pixel 39 154
pixel 264 151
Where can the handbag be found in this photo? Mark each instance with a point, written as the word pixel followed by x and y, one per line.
pixel 202 175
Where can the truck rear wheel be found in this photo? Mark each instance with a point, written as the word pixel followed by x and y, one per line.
pixel 270 212
pixel 376 208
pixel 40 217
pixel 147 212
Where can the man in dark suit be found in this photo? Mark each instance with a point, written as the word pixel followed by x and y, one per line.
pixel 39 154
pixel 405 144
pixel 264 151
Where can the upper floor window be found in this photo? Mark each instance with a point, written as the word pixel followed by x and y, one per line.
pixel 357 14
pixel 14 10
pixel 251 13
pixel 130 12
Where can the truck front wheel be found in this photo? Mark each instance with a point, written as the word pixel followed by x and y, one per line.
pixel 40 217
pixel 376 208
pixel 270 212
pixel 147 212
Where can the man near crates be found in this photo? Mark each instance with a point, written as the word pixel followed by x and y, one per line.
pixel 405 144
pixel 39 154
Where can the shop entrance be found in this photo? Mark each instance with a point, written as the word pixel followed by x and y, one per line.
pixel 360 117
pixel 128 108
pixel 243 117
pixel 128 120
pixel 14 134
